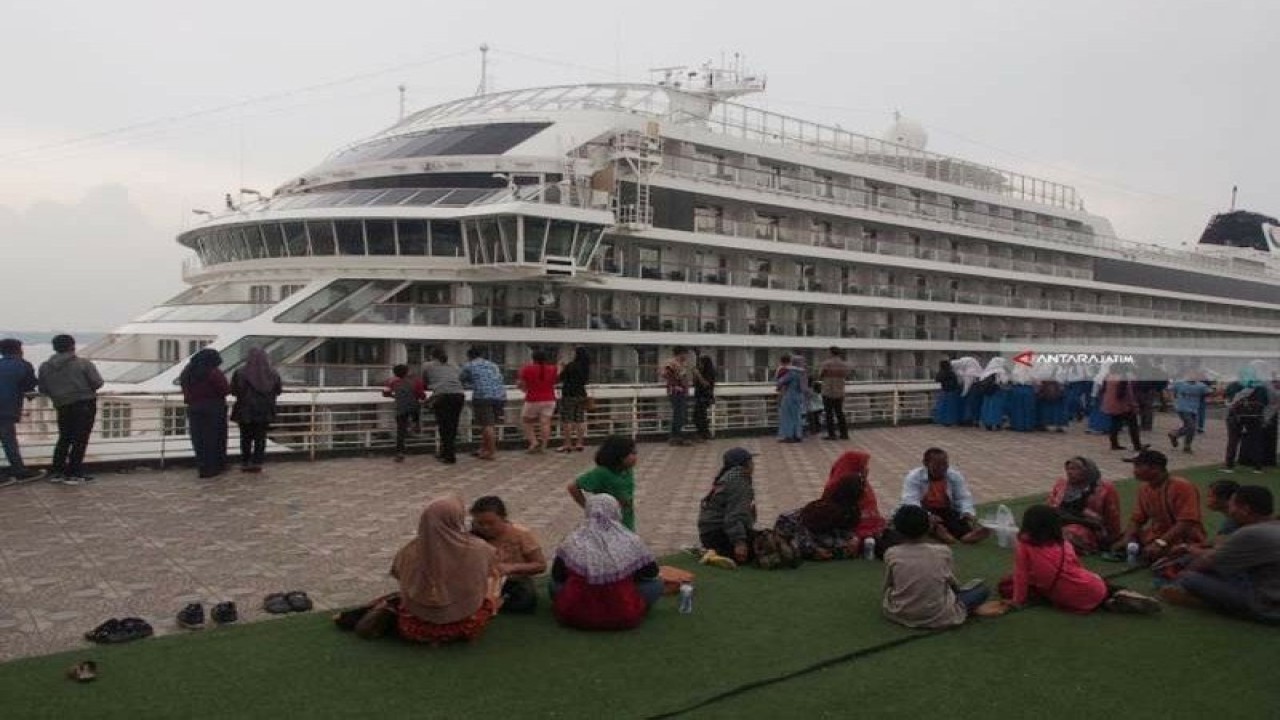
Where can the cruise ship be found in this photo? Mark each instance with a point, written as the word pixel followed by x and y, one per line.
pixel 630 218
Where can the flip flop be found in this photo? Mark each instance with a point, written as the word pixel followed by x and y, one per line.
pixel 84 671
pixel 298 601
pixel 276 604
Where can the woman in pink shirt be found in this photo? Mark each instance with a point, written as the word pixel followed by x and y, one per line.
pixel 1046 566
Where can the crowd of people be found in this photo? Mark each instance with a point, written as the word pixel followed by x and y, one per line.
pixel 454 581
pixel 1112 398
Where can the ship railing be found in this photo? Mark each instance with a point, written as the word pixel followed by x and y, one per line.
pixel 949 217
pixel 151 429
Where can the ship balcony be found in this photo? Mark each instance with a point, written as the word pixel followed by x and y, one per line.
pixel 857 198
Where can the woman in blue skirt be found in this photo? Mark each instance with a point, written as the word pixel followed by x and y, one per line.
pixel 995 388
pixel 946 404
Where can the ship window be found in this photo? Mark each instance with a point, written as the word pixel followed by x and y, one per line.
pixel 413 237
pixel 321 234
pixel 535 234
pixel 175 421
pixel 446 238
pixel 116 419
pixel 167 350
pixel 350 237
pixel 273 240
pixel 260 294
pixel 287 290
pixel 295 235
pixel 560 239
pixel 381 236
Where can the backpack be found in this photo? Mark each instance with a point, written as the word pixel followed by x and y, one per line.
pixel 773 551
pixel 1050 391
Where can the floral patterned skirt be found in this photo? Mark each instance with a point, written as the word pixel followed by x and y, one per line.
pixel 411 627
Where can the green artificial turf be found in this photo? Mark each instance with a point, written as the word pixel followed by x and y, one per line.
pixel 749 629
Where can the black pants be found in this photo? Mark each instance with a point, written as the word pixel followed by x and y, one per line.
pixel 447 409
pixel 253 443
pixel 1245 443
pixel 519 595
pixel 815 421
pixel 1130 419
pixel 207 425
pixel 679 414
pixel 834 409
pixel 75 423
pixel 702 416
pixel 1146 410
pixel 403 421
pixel 955 523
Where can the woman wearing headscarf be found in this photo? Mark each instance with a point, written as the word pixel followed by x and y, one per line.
pixel 793 387
pixel 835 525
pixel 603 576
pixel 1051 398
pixel 1022 399
pixel 1247 402
pixel 448 578
pixel 969 371
pixel 994 384
pixel 204 390
pixel 1089 506
pixel 255 387
pixel 946 405
pixel 727 517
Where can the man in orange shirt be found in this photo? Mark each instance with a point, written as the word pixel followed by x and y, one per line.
pixel 1168 511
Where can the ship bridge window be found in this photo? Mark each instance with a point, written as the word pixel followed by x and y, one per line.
pixel 560 238
pixel 380 236
pixel 295 239
pixel 350 237
pixel 535 235
pixel 322 237
pixel 446 238
pixel 493 139
pixel 413 236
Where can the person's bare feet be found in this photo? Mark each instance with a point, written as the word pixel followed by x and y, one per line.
pixel 976 536
pixel 1175 595
pixel 943 535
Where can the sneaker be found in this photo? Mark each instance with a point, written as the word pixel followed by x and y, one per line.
pixel 1134 603
pixel 30 475
pixel 69 480
pixel 224 613
pixel 81 477
pixel 1229 471
pixel 7 481
pixel 1257 471
pixel 57 478
pixel 192 617
pixel 1173 439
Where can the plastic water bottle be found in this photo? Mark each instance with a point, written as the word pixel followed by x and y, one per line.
pixel 686 598
pixel 1132 553
pixel 869 549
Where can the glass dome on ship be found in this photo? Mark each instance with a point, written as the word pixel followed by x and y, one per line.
pixel 631 218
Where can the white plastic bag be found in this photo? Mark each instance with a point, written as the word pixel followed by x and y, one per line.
pixel 1001 522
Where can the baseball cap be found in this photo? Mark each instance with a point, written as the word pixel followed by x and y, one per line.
pixel 734 457
pixel 1149 457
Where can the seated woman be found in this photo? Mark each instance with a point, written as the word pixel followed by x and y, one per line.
pixel 835 525
pixel 1046 566
pixel 1089 506
pixel 448 580
pixel 603 577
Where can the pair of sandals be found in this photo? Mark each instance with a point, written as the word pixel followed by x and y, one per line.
pixel 120 630
pixel 567 449
pixel 282 603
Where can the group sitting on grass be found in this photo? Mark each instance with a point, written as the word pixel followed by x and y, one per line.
pixel 454 581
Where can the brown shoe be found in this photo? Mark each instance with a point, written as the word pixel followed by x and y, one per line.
pixel 376 623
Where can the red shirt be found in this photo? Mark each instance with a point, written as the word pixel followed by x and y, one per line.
pixel 539 382
pixel 1160 508
pixel 1054 572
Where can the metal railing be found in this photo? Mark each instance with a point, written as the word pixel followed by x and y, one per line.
pixel 311 423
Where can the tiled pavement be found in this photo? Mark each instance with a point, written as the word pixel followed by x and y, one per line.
pixel 145 542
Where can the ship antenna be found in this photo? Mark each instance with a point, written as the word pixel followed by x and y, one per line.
pixel 401 88
pixel 484 69
pixel 1234 189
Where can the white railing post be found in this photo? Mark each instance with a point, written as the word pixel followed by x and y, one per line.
pixel 164 435
pixel 311 429
pixel 897 405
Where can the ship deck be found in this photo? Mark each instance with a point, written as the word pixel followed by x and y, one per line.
pixel 146 542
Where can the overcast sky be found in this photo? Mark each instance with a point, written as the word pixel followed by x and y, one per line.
pixel 118 118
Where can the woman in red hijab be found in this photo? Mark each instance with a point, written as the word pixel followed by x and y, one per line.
pixel 835 525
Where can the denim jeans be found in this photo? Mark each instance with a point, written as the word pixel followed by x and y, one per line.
pixel 1233 596
pixel 679 414
pixel 973 598
pixel 1188 430
pixel 9 439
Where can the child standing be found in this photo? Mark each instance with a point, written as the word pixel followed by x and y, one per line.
pixel 920 588
pixel 408 394
pixel 815 407
pixel 1046 566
